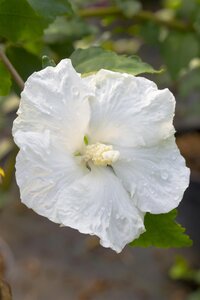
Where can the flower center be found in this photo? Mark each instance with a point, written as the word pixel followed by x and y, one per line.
pixel 101 154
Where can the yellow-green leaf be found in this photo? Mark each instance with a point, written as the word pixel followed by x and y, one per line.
pixel 90 60
pixel 162 231
pixel 50 9
pixel 19 22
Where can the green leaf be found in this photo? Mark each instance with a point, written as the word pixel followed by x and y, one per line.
pixel 70 29
pixel 19 22
pixel 162 231
pixel 129 7
pixel 62 33
pixel 31 63
pixel 5 80
pixel 91 60
pixel 50 9
pixel 178 49
pixel 47 61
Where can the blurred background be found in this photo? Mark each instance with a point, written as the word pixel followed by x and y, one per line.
pixel 38 259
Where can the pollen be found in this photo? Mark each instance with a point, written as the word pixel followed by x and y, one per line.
pixel 101 154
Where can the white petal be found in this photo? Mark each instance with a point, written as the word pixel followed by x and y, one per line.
pixel 98 204
pixel 42 171
pixel 129 110
pixel 55 98
pixel 156 177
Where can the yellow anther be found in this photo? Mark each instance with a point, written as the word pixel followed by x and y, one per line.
pixel 101 155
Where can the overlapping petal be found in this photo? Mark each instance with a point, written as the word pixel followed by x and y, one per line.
pixel 128 110
pixel 98 204
pixel 156 177
pixel 43 170
pixel 58 108
pixel 55 99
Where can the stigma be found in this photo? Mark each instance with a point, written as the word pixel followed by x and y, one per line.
pixel 101 154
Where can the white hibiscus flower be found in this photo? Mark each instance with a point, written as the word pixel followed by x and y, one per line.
pixel 97 153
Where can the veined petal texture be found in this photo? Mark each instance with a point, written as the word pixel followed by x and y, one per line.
pixel 55 99
pixel 98 204
pixel 65 126
pixel 128 110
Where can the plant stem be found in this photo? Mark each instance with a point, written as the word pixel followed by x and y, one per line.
pixel 139 17
pixel 11 69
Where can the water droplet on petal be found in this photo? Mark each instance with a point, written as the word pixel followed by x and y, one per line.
pixel 164 175
pixel 75 91
pixel 103 208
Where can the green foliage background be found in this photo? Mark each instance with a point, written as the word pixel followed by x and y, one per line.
pixel 168 29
